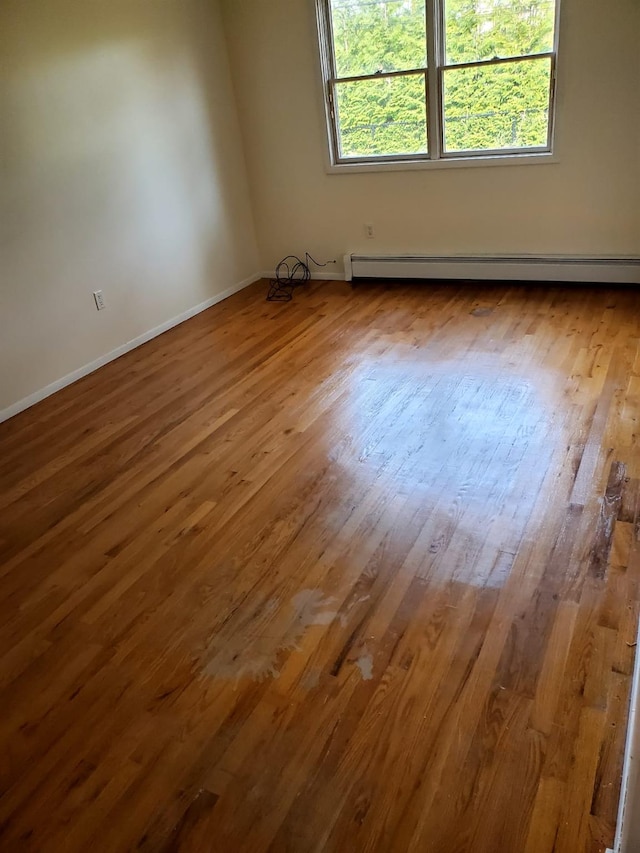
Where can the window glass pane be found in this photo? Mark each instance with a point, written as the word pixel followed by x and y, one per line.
pixel 497 106
pixel 385 116
pixel 486 29
pixel 378 35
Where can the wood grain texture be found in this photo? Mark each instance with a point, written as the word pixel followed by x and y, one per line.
pixel 358 572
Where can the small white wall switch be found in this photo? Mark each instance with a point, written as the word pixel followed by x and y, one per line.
pixel 369 231
pixel 99 298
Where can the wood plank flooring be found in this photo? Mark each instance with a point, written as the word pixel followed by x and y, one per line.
pixel 360 572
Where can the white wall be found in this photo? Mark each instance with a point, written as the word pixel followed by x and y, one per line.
pixel 588 203
pixel 121 169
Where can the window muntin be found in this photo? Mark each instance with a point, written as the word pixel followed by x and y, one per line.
pixel 482 102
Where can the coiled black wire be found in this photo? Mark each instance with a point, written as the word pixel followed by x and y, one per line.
pixel 291 272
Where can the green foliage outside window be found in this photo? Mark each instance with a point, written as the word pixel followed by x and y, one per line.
pixel 503 106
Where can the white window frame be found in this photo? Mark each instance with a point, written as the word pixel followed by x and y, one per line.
pixel 434 80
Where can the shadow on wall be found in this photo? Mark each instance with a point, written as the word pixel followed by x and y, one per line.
pixel 121 171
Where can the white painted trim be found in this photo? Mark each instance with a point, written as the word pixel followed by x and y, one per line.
pixel 81 372
pixel 474 162
pixel 315 276
pixel 612 270
pixel 628 828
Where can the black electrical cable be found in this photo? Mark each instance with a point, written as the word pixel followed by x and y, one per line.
pixel 291 272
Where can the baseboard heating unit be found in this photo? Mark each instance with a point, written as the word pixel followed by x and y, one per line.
pixel 612 270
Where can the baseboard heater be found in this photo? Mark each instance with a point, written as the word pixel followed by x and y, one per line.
pixel 613 270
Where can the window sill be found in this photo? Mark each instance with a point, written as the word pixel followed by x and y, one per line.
pixel 545 158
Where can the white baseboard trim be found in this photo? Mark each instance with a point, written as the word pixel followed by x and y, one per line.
pixel 628 825
pixel 315 276
pixel 81 372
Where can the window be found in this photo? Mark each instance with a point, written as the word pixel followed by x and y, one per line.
pixel 437 79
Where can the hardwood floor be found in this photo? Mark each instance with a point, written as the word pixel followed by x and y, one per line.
pixel 356 573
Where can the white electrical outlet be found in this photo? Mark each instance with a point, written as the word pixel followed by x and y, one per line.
pixel 99 299
pixel 369 231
